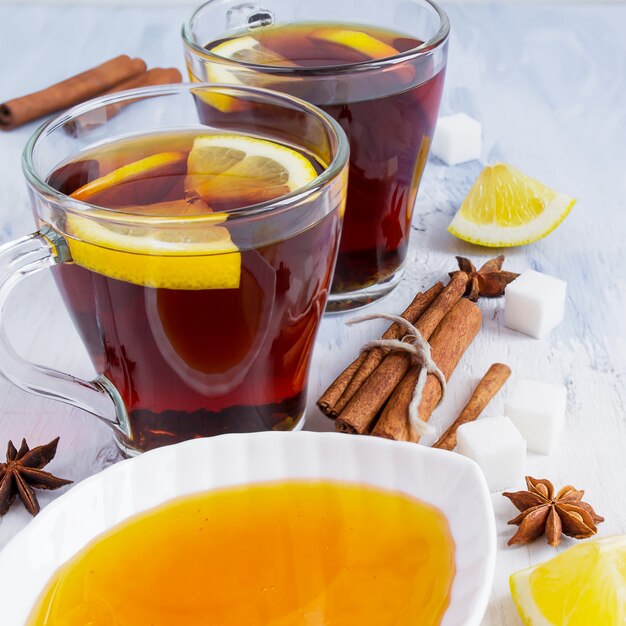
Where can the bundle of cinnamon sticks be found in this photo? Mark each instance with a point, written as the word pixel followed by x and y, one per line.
pixel 114 75
pixel 372 395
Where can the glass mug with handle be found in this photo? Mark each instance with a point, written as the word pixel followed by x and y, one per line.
pixel 194 257
pixel 378 69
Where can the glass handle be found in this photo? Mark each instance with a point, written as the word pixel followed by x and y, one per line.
pixel 248 15
pixel 18 260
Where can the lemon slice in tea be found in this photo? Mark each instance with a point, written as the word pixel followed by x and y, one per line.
pixel 357 40
pixel 148 255
pixel 223 168
pixel 181 256
pixel 195 251
pixel 583 586
pixel 505 207
pixel 149 167
pixel 242 49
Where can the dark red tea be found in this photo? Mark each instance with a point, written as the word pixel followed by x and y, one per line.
pixel 389 117
pixel 200 333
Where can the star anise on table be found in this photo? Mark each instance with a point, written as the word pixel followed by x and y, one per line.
pixel 487 282
pixel 543 511
pixel 22 474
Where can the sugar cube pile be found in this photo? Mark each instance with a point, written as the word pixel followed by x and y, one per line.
pixel 497 446
pixel 534 303
pixel 537 409
pixel 458 139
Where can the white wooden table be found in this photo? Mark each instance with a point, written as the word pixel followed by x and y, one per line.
pixel 547 82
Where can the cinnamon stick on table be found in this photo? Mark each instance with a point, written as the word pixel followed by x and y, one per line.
pixel 331 396
pixel 74 90
pixel 486 389
pixel 361 411
pixel 448 344
pixel 155 76
pixel 343 388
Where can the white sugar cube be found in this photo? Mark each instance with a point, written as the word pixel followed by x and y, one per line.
pixel 457 139
pixel 497 446
pixel 538 411
pixel 534 303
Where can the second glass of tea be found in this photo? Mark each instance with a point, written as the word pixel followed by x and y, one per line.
pixel 377 67
pixel 194 256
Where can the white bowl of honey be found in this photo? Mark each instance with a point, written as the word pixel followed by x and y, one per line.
pixel 266 529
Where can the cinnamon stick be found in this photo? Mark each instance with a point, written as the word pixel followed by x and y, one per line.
pixel 343 388
pixel 448 344
pixel 331 396
pixel 155 76
pixel 486 389
pixel 79 88
pixel 362 409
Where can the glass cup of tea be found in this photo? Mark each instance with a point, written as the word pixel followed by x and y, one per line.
pixel 194 255
pixel 378 69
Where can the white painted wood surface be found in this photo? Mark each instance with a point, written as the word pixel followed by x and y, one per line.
pixel 548 85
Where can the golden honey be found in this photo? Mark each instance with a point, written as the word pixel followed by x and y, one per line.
pixel 273 554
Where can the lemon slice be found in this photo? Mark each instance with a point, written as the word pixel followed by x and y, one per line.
pixel 583 586
pixel 244 50
pixel 193 251
pixel 356 40
pixel 248 170
pixel 201 256
pixel 178 255
pixel 144 168
pixel 507 208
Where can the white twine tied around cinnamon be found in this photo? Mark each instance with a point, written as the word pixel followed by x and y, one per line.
pixel 419 350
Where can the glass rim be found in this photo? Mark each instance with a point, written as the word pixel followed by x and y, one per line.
pixel 260 209
pixel 437 40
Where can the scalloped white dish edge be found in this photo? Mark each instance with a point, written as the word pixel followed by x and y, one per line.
pixel 448 481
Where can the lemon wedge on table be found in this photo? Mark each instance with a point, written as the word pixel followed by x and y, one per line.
pixel 195 251
pixel 505 207
pixel 583 586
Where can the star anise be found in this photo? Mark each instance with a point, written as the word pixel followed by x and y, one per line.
pixel 544 512
pixel 22 474
pixel 487 282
